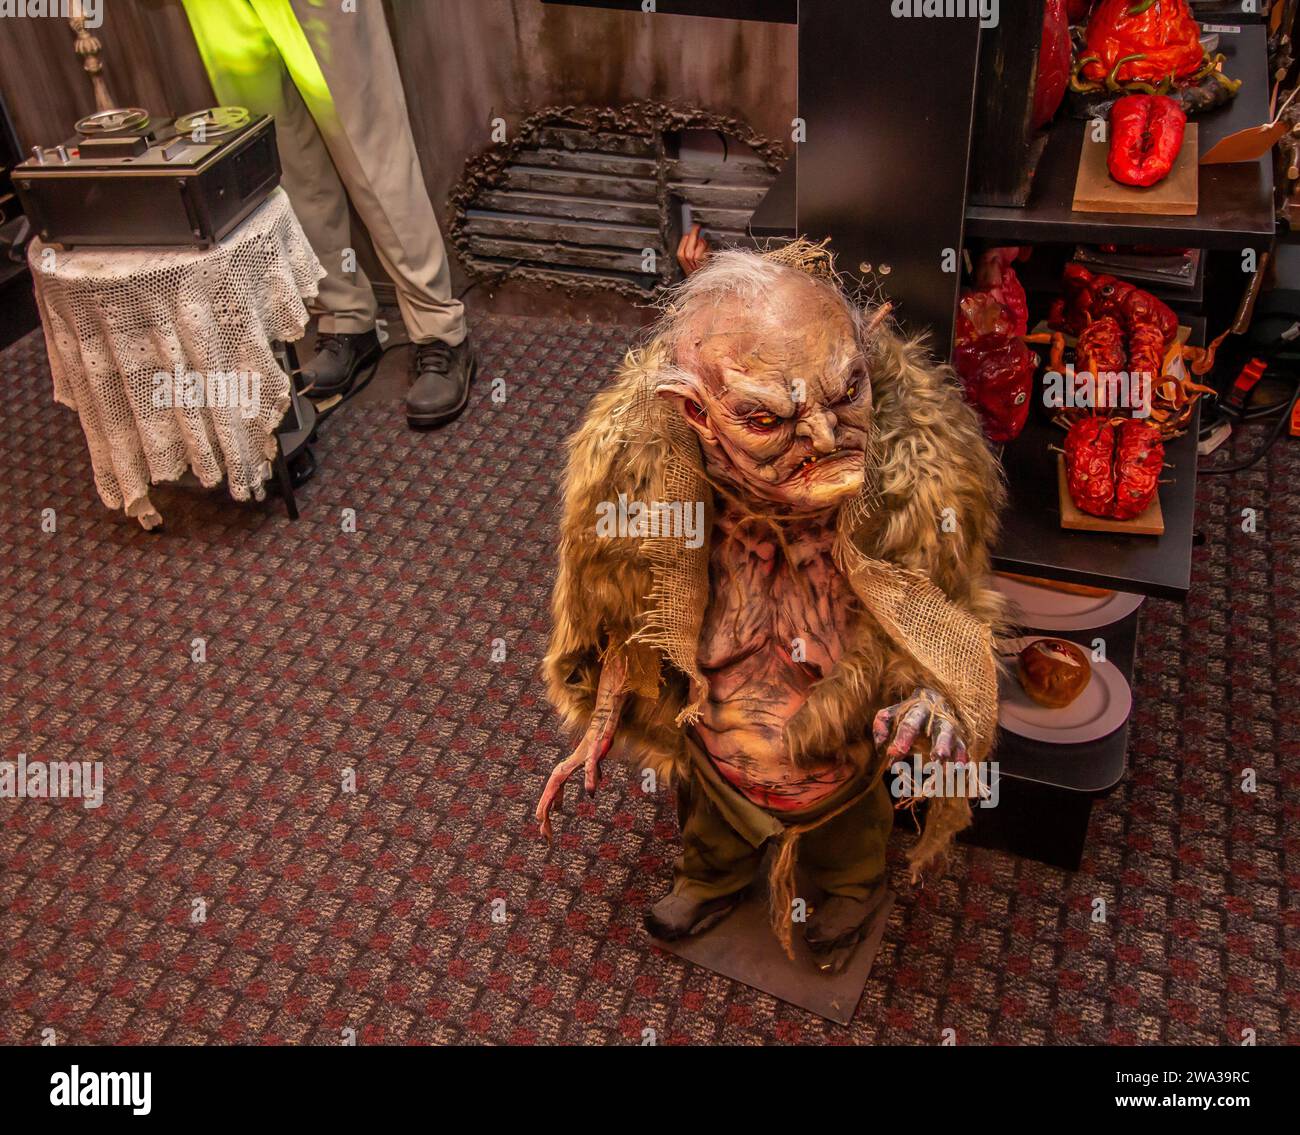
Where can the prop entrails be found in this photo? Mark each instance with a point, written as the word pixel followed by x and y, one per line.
pixel 1151 47
pixel 834 618
pixel 1123 330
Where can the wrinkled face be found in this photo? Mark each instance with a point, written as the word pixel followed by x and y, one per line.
pixel 778 393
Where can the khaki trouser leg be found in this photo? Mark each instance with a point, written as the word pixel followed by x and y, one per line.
pixel 348 77
pixel 245 67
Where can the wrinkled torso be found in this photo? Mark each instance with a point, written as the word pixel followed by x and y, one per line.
pixel 778 619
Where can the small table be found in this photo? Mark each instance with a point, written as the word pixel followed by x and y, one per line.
pixel 167 354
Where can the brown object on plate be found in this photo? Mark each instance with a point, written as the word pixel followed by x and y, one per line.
pixel 1095 191
pixel 1053 671
pixel 1057 585
pixel 1149 523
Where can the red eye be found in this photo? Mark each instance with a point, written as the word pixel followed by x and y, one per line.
pixel 762 422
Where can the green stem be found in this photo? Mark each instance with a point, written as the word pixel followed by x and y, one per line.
pixel 1112 80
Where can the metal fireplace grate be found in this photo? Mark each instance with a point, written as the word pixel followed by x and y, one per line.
pixel 594 197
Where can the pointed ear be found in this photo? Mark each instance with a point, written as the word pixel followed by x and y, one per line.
pixel 683 389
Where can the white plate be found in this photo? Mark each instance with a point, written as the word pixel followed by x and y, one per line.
pixel 1102 708
pixel 1041 609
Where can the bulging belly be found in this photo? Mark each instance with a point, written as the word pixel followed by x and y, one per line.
pixel 742 729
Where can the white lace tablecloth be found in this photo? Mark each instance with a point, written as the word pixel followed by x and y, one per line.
pixel 166 355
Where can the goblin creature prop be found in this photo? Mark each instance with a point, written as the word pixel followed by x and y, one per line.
pixel 830 621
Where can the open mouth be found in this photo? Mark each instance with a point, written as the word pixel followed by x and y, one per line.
pixel 814 461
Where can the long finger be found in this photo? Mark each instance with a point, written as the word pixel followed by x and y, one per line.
pixel 913 722
pixel 880 726
pixel 551 799
pixel 596 751
pixel 559 774
pixel 944 738
pixel 688 250
pixel 553 790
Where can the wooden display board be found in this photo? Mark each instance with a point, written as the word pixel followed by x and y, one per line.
pixel 1095 191
pixel 1150 522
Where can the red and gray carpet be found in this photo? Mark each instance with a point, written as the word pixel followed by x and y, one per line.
pixel 230 890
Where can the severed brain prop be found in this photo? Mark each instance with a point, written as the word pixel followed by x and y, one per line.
pixel 772 586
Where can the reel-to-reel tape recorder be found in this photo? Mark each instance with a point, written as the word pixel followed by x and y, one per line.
pixel 128 180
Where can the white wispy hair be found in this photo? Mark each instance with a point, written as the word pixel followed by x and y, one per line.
pixel 749 276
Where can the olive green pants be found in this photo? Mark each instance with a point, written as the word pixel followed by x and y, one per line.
pixel 724 837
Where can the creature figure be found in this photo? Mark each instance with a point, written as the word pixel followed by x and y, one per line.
pixel 832 617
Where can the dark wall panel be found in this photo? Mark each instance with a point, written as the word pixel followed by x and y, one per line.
pixel 888 104
pixel 149 60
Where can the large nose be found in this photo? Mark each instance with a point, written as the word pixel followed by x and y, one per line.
pixel 819 428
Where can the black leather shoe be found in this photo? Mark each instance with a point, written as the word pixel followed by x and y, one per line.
pixel 676 916
pixel 442 377
pixel 339 358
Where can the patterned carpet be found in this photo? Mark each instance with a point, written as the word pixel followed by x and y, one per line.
pixel 374 910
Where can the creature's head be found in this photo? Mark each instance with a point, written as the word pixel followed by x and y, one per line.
pixel 768 368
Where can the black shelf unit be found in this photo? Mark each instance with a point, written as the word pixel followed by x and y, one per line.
pixel 1235 201
pixel 1048 792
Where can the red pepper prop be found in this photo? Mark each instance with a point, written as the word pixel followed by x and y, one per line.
pixel 1146 134
pixel 1113 466
pixel 1144 41
pixel 996 368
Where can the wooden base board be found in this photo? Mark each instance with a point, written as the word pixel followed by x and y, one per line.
pixel 743 948
pixel 1151 522
pixel 1095 191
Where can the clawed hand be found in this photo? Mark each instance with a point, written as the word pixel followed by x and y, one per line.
pixel 590 752
pixel 925 713
pixel 593 747
pixel 692 250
